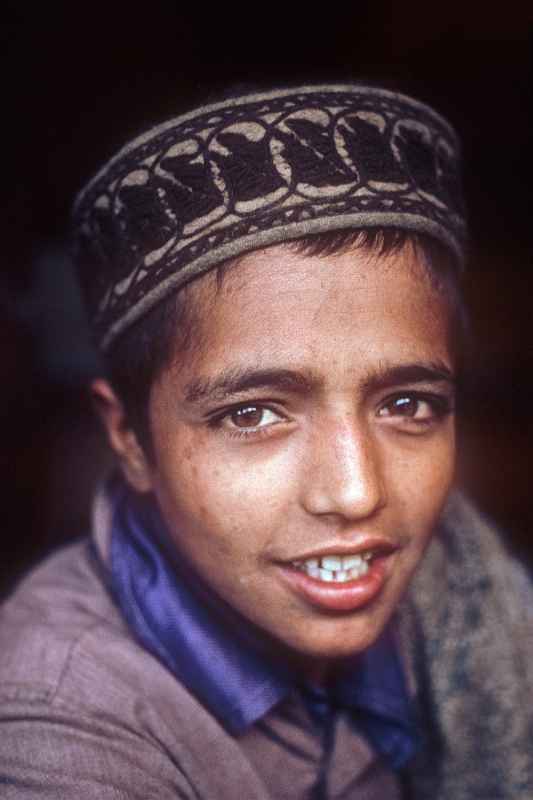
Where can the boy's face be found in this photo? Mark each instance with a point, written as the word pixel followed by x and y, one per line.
pixel 311 422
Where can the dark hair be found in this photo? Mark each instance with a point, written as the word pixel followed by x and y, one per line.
pixel 140 355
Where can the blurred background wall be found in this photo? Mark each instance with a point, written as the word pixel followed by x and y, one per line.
pixel 80 80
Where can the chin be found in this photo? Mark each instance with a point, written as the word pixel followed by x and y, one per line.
pixel 344 641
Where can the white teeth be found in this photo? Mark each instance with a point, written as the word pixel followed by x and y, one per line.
pixel 352 561
pixel 332 562
pixel 336 569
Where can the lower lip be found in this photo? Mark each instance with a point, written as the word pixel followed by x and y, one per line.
pixel 331 596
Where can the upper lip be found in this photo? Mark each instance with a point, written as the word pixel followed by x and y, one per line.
pixel 377 544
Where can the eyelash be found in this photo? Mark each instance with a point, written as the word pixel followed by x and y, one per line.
pixel 217 421
pixel 440 406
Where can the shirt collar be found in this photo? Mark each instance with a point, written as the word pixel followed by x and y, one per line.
pixel 211 659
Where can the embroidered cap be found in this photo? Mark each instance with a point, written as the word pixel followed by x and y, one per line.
pixel 253 171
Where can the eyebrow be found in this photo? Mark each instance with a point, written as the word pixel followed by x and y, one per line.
pixel 235 381
pixel 431 372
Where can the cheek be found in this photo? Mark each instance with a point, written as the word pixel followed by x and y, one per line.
pixel 420 481
pixel 240 475
pixel 223 500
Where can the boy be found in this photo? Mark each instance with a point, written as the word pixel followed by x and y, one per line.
pixel 273 280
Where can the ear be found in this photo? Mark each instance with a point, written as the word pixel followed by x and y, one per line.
pixel 121 436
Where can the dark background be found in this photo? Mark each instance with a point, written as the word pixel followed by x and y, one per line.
pixel 80 81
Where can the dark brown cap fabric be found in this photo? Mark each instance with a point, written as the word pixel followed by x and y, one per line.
pixel 254 171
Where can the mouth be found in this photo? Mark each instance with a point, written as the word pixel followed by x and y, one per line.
pixel 336 569
pixel 341 581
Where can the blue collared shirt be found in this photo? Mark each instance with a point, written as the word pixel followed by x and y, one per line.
pixel 228 675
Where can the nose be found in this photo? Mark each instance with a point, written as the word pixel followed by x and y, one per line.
pixel 344 476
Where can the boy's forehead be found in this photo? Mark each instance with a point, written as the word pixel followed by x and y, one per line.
pixel 277 308
pixel 275 278
pixel 255 171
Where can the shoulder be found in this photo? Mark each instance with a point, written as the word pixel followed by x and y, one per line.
pixel 86 711
pixel 469 637
pixel 82 706
pixel 53 617
pixel 468 565
pixel 471 595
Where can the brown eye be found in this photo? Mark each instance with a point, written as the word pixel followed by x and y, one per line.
pixel 248 420
pixel 248 417
pixel 406 406
pixel 422 409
